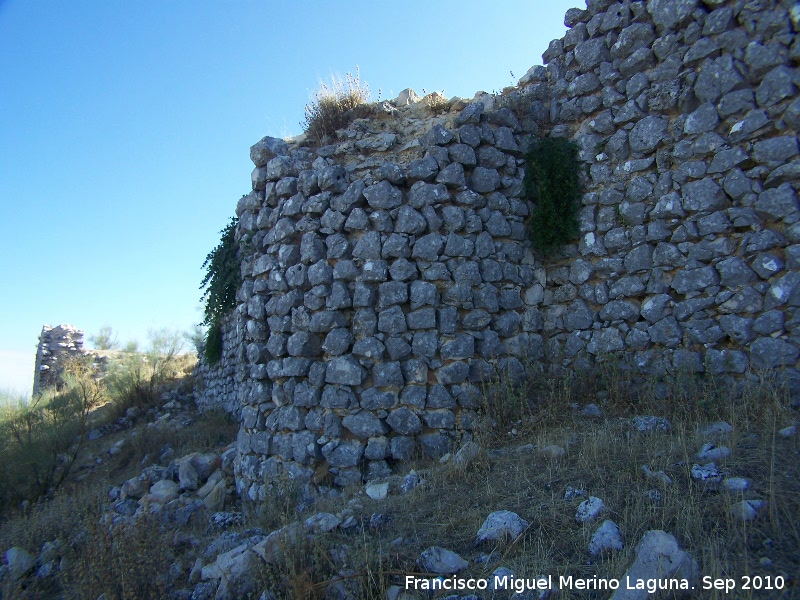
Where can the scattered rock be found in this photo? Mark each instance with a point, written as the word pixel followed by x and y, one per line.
pixel 442 561
pixel 500 526
pixel 410 481
pixel 736 484
pixel 571 493
pixel 553 451
pixel 651 424
pixel 607 537
pixel 19 562
pixel 708 475
pixel 712 452
pixel 377 491
pixel 658 558
pixel 322 522
pixel 747 510
pixel 589 510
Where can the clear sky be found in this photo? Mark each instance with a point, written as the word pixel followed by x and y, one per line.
pixel 125 130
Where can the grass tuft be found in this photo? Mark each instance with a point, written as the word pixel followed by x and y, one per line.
pixel 335 105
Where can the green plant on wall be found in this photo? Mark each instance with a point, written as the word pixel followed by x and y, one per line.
pixel 221 282
pixel 552 183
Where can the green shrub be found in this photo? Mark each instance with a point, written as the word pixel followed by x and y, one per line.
pixel 213 344
pixel 334 106
pixel 40 440
pixel 197 338
pixel 105 339
pixel 222 281
pixel 134 378
pixel 552 183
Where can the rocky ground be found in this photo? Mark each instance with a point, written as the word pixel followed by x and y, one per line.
pixel 570 495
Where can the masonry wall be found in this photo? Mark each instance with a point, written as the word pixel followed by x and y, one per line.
pixel 57 347
pixel 218 386
pixel 687 114
pixel 389 273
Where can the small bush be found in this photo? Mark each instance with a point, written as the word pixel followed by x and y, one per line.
pixel 135 378
pixel 212 429
pixel 334 106
pixel 517 101
pixel 552 183
pixel 437 102
pixel 40 440
pixel 197 338
pixel 105 339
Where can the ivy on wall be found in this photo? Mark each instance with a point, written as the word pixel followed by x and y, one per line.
pixel 221 282
pixel 552 184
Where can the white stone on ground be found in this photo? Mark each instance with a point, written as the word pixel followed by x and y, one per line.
pixel 712 452
pixel 377 491
pixel 747 510
pixel 442 561
pixel 570 493
pixel 607 537
pixel 589 510
pixel 736 484
pixel 322 522
pixel 500 526
pixel 648 424
pixel 19 562
pixel 658 557
pixel 466 454
pixel 553 451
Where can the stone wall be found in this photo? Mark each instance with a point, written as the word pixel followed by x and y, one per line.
pixel 57 347
pixel 687 115
pixel 388 274
pixel 217 386
pixel 387 282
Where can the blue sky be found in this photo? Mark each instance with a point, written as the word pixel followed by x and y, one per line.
pixel 125 130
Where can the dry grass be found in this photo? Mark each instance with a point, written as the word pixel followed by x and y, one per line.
pixel 604 457
pixel 124 562
pixel 335 105
pixel 212 430
pixel 121 561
